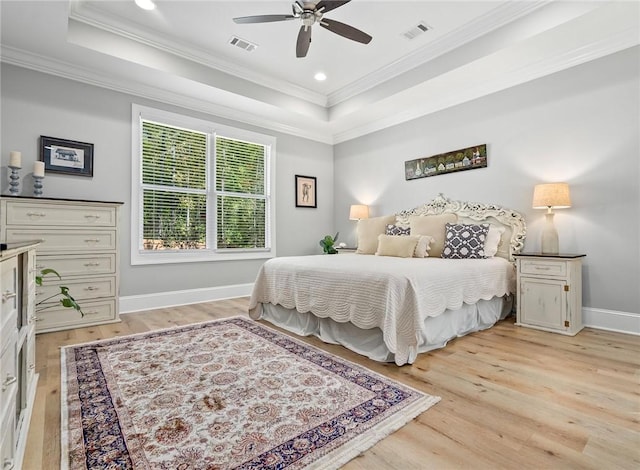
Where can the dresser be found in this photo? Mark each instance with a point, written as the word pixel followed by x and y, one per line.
pixel 550 292
pixel 80 242
pixel 18 376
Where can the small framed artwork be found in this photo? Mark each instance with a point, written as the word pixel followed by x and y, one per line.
pixel 66 156
pixel 306 191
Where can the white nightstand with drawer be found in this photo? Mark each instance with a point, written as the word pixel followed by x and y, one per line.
pixel 550 292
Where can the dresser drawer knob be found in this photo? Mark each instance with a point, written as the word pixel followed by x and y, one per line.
pixel 92 240
pixel 8 381
pixel 36 214
pixel 93 263
pixel 91 312
pixel 6 295
pixel 91 288
pixel 92 216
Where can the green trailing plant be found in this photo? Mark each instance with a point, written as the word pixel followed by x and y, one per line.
pixel 327 244
pixel 67 299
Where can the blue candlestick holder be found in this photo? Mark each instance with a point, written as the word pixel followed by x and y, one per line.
pixel 14 184
pixel 37 186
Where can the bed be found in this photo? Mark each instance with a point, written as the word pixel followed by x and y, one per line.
pixel 391 306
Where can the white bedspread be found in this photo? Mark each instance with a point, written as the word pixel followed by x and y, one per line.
pixel 393 294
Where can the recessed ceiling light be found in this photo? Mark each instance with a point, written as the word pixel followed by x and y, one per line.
pixel 146 4
pixel 320 76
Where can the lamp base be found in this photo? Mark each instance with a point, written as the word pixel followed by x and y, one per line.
pixel 549 241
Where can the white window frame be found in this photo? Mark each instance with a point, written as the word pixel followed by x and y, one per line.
pixel 139 256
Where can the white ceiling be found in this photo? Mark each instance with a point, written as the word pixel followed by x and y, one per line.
pixel 179 54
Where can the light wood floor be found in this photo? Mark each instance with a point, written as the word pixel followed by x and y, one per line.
pixel 512 397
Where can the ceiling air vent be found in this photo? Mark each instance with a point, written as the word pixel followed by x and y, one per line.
pixel 242 43
pixel 417 30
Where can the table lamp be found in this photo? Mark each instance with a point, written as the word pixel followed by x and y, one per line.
pixel 550 196
pixel 359 211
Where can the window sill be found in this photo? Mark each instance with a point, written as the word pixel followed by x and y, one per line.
pixel 138 258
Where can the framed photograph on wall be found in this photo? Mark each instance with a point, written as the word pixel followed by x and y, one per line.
pixel 66 156
pixel 306 191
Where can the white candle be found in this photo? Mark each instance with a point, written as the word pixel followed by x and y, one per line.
pixel 38 169
pixel 14 159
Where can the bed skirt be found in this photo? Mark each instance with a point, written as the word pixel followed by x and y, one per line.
pixel 436 331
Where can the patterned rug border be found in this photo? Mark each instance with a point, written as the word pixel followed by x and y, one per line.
pixel 333 459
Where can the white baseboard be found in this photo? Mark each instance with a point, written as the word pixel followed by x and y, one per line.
pixel 611 320
pixel 136 303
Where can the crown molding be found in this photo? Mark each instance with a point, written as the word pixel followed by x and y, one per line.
pixel 490 21
pixel 120 27
pixel 71 71
pixel 563 60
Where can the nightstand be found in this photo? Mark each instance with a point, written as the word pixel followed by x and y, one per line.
pixel 550 292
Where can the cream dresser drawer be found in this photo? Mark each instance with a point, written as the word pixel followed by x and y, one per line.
pixel 8 370
pixel 35 214
pixel 8 435
pixel 60 318
pixel 543 267
pixel 79 265
pixel 81 289
pixel 67 241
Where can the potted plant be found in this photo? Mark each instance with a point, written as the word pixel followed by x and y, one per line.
pixel 327 244
pixel 66 301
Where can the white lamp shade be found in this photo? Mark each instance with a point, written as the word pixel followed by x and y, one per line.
pixel 554 195
pixel 358 211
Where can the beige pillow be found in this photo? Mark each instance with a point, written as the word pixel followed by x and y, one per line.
pixel 492 242
pixel 368 231
pixel 402 246
pixel 422 248
pixel 433 225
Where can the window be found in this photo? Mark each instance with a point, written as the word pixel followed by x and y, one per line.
pixel 201 191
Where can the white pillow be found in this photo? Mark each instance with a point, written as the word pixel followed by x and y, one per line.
pixel 422 248
pixel 401 246
pixel 494 236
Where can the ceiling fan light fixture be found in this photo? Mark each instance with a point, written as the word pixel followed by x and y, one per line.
pixel 146 4
pixel 320 76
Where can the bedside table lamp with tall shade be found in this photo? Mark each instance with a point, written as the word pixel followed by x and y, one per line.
pixel 550 196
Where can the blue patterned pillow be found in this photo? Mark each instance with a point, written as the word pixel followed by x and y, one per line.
pixel 465 241
pixel 397 230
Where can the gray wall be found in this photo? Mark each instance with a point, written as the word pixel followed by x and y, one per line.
pixel 579 126
pixel 35 104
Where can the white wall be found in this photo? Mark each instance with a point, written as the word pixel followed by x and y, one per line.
pixel 580 126
pixel 35 104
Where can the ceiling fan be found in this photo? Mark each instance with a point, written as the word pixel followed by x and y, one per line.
pixel 311 13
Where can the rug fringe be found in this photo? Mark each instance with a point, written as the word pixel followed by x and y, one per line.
pixel 366 441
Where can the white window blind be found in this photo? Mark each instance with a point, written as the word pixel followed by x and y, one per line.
pixel 240 194
pixel 203 190
pixel 174 187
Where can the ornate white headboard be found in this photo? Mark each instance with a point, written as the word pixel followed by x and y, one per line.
pixel 473 212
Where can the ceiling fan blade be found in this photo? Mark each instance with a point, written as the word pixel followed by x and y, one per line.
pixel 304 41
pixel 345 30
pixel 326 5
pixel 263 18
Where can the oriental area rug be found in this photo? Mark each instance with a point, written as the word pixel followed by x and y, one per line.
pixel 225 394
